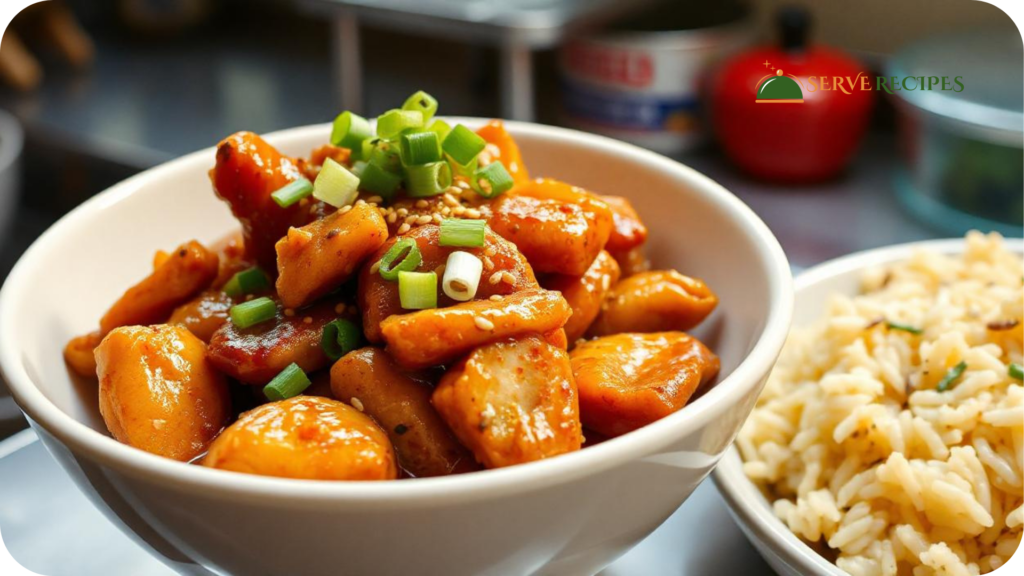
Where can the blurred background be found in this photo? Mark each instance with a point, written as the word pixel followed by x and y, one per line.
pixel 93 92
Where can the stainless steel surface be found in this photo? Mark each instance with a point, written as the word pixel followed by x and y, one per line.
pixel 516 27
pixel 51 528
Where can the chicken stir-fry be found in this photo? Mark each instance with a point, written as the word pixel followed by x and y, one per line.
pixel 407 302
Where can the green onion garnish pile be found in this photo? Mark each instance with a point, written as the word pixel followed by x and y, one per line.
pixel 410 149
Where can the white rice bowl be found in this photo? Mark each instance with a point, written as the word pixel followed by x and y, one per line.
pixel 860 453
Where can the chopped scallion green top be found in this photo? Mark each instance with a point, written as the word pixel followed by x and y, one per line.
pixel 253 312
pixel 903 327
pixel 947 381
pixel 289 383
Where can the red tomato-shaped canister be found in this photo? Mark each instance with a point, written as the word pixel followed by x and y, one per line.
pixel 791 113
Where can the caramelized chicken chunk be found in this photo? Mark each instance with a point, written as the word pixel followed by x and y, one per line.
pixel 440 335
pixel 628 231
pixel 204 315
pixel 305 437
pixel 378 298
pixel 627 381
pixel 256 354
pixel 508 151
pixel 558 227
pixel 158 393
pixel 511 402
pixel 79 354
pixel 184 273
pixel 399 401
pixel 247 172
pixel 655 302
pixel 632 261
pixel 319 257
pixel 585 293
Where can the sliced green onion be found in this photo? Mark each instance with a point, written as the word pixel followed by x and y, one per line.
pixel 466 171
pixel 1016 371
pixel 349 131
pixel 386 155
pixel 422 102
pixel 292 192
pixel 462 276
pixel 492 180
pixel 357 168
pixel 463 145
pixel 417 290
pixel 248 281
pixel 903 327
pixel 439 127
pixel 379 181
pixel 403 256
pixel 290 382
pixel 339 338
pixel 951 376
pixel 253 312
pixel 394 122
pixel 459 232
pixel 335 185
pixel 420 148
pixel 427 179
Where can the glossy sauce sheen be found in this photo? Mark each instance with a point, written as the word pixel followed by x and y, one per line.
pixel 158 393
pixel 399 401
pixel 654 302
pixel 305 437
pixel 378 298
pixel 440 335
pixel 512 402
pixel 558 227
pixel 586 293
pixel 627 381
pixel 204 315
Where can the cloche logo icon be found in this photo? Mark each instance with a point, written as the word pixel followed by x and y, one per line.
pixel 779 89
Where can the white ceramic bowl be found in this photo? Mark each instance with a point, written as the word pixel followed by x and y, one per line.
pixel 568 515
pixel 786 553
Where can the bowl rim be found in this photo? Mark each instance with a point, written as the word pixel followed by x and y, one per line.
pixel 747 504
pixel 425 491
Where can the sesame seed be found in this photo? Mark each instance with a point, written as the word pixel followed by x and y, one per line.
pixel 446 211
pixel 495 278
pixel 490 251
pixel 495 298
pixel 312 209
pixel 449 199
pixel 402 212
pixel 375 267
pixel 472 213
pixel 483 323
pixel 307 320
pixel 404 228
pixel 463 184
pixel 340 308
pixel 484 158
pixel 459 211
pixel 437 218
pixel 454 190
pixel 360 202
pixel 357 403
pixel 425 219
pixel 374 199
pixel 508 278
pixel 422 203
pixel 488 264
pixel 392 217
pixel 344 209
pixel 289 312
pixel 159 423
pixel 492 149
pixel 410 219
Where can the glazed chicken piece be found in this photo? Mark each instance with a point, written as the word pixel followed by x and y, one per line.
pixel 440 335
pixel 655 302
pixel 247 172
pixel 79 354
pixel 399 401
pixel 256 354
pixel 627 381
pixel 586 293
pixel 378 298
pixel 558 227
pixel 204 314
pixel 158 393
pixel 233 259
pixel 508 151
pixel 511 402
pixel 319 257
pixel 179 277
pixel 305 437
pixel 632 261
pixel 628 231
